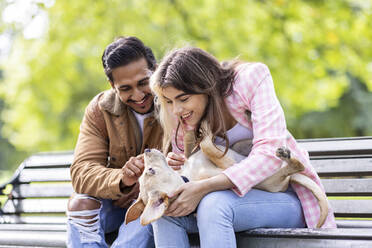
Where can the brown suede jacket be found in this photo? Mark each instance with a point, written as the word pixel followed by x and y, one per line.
pixel 109 136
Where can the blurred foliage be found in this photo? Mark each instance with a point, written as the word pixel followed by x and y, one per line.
pixel 319 53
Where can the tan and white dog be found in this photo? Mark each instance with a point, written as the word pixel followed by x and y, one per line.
pixel 158 179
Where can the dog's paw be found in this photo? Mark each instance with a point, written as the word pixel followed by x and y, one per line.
pixel 283 153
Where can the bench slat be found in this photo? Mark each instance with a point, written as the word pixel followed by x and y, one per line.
pixel 334 146
pixel 331 233
pixel 352 208
pixel 44 175
pixel 343 166
pixel 16 219
pixel 35 206
pixel 354 223
pixel 304 242
pixel 42 190
pixel 50 159
pixel 33 227
pixel 348 187
pixel 37 239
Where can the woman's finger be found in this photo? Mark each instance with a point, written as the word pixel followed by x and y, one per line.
pixel 172 162
pixel 175 156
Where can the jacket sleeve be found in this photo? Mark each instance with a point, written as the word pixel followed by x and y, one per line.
pixel 89 173
pixel 255 89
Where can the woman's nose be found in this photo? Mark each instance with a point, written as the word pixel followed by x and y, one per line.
pixel 177 109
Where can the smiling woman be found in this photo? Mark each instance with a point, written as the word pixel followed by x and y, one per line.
pixel 189 107
pixel 235 99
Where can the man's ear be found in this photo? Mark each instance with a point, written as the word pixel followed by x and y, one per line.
pixel 112 84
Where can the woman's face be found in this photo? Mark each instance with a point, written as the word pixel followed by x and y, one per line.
pixel 188 107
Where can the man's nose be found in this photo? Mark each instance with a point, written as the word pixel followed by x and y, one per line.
pixel 138 95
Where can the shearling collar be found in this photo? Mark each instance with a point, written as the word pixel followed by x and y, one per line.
pixel 111 102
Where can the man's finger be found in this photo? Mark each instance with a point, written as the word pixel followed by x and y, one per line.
pixel 136 171
pixel 129 173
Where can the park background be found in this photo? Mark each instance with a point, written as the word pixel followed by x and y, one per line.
pixel 319 53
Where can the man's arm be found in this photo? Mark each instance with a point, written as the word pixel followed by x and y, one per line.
pixel 89 173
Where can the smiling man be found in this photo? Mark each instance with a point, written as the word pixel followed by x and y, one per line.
pixel 118 125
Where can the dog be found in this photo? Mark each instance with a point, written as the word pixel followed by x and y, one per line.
pixel 159 179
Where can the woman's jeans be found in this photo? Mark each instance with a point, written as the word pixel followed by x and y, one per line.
pixel 222 213
pixel 108 219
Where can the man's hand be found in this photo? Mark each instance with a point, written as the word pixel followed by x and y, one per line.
pixel 175 160
pixel 132 170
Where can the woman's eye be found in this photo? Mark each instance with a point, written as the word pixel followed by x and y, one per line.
pixel 169 102
pixel 184 99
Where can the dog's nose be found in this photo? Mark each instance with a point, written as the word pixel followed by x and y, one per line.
pixel 147 150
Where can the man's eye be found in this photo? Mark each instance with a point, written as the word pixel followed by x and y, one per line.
pixel 144 83
pixel 184 99
pixel 124 89
pixel 169 102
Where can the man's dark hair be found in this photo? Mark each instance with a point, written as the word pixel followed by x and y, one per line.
pixel 123 51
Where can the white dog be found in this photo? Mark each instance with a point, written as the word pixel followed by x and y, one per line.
pixel 159 179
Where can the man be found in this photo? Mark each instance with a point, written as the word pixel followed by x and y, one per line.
pixel 118 125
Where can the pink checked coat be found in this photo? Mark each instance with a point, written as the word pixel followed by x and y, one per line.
pixel 253 90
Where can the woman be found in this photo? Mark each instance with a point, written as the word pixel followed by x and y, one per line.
pixel 239 102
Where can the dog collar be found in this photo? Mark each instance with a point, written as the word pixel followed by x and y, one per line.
pixel 185 179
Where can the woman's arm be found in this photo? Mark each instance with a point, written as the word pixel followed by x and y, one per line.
pixel 254 91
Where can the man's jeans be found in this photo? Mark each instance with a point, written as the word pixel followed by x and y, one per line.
pixel 222 213
pixel 84 233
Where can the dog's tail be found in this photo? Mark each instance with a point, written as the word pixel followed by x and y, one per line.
pixel 317 192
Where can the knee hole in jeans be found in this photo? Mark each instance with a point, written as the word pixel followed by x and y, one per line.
pixel 83 213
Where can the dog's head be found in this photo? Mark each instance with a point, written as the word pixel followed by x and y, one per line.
pixel 156 182
pixel 155 163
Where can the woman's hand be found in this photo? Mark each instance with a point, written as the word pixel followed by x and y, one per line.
pixel 190 194
pixel 188 197
pixel 175 160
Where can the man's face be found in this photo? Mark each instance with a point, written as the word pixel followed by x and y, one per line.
pixel 131 83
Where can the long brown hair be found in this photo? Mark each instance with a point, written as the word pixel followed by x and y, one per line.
pixel 194 71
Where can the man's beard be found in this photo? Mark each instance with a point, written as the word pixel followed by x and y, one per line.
pixel 149 111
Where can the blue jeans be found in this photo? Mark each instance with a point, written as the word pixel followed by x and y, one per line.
pixel 109 218
pixel 222 213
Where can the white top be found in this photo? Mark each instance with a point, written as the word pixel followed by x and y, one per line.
pixel 236 133
pixel 140 119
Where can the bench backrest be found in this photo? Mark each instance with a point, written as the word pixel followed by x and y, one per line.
pixel 41 185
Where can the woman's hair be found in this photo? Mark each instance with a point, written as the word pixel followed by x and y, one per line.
pixel 193 71
pixel 123 51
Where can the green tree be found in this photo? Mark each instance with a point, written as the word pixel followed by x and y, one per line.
pixel 313 48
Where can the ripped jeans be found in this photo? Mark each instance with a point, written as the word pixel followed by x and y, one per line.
pixel 108 218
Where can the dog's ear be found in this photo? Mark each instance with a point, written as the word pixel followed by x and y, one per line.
pixel 156 205
pixel 134 211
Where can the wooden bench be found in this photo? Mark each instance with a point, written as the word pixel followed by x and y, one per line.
pixel 34 213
